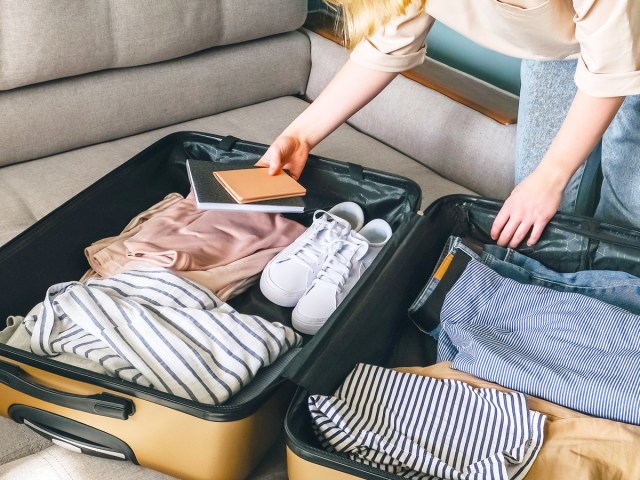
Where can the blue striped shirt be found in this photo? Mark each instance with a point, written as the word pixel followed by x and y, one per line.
pixel 564 347
pixel 422 428
pixel 158 329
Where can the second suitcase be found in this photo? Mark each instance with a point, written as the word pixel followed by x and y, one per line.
pixel 569 244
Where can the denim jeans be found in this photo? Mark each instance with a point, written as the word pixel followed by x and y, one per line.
pixel 616 288
pixel 547 91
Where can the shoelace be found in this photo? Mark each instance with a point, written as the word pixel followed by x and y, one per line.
pixel 337 267
pixel 310 251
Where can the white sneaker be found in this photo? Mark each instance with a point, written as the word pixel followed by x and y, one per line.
pixel 287 276
pixel 347 260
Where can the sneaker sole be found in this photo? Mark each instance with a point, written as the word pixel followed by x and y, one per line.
pixel 303 325
pixel 276 296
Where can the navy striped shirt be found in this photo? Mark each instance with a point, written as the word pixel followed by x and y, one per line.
pixel 422 428
pixel 158 329
pixel 564 347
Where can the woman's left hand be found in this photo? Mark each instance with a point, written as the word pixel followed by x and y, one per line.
pixel 529 208
pixel 536 199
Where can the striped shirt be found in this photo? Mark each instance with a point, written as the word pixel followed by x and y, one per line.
pixel 564 347
pixel 155 328
pixel 422 428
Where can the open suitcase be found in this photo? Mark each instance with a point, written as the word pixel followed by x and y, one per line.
pixel 569 244
pixel 105 416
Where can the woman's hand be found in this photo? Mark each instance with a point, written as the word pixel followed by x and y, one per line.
pixel 536 199
pixel 287 152
pixel 352 88
pixel 529 208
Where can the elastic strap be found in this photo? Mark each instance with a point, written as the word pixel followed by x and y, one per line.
pixel 356 171
pixel 226 143
pixel 427 315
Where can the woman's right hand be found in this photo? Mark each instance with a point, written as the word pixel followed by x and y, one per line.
pixel 287 152
pixel 353 87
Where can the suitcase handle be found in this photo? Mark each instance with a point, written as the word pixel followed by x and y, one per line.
pixel 103 404
pixel 71 434
pixel 74 444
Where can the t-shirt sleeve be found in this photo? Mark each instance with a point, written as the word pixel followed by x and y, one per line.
pixel 397 46
pixel 609 37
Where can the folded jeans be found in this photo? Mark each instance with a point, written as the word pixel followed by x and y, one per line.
pixel 613 287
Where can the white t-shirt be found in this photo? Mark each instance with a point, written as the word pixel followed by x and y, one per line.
pixel 599 33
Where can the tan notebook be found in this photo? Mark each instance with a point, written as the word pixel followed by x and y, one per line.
pixel 255 184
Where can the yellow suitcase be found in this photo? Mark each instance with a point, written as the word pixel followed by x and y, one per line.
pixel 105 416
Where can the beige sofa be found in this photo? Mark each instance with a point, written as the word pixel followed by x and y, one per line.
pixel 86 85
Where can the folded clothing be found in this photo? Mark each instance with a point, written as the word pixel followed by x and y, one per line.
pixel 158 329
pixel 16 335
pixel 575 445
pixel 419 427
pixel 221 250
pixel 611 286
pixel 565 347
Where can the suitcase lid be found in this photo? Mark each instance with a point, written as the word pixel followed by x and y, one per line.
pixel 365 327
pixel 569 243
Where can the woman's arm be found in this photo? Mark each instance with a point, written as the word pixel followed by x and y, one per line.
pixel 353 87
pixel 536 199
pixel 394 47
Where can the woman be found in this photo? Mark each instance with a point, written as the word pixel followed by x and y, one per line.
pixel 561 121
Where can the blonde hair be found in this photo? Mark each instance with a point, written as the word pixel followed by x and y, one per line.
pixel 361 18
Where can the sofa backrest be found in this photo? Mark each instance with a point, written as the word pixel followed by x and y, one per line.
pixel 43 40
pixel 77 72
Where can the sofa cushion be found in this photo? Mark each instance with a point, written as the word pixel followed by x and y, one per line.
pixel 44 119
pixel 17 441
pixel 57 463
pixel 30 190
pixel 457 142
pixel 48 39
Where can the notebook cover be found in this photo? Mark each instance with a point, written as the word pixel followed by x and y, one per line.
pixel 255 184
pixel 211 195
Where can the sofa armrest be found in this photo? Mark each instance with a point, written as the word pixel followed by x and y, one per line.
pixel 452 139
pixel 497 104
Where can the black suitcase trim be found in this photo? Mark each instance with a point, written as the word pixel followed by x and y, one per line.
pixel 321 457
pixel 213 413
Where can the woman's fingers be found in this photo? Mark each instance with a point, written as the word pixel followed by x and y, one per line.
pixel 508 231
pixel 498 224
pixel 272 159
pixel 296 166
pixel 275 165
pixel 285 153
pixel 530 206
pixel 536 232
pixel 520 233
pixel 516 229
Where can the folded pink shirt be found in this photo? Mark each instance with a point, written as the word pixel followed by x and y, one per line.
pixel 221 250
